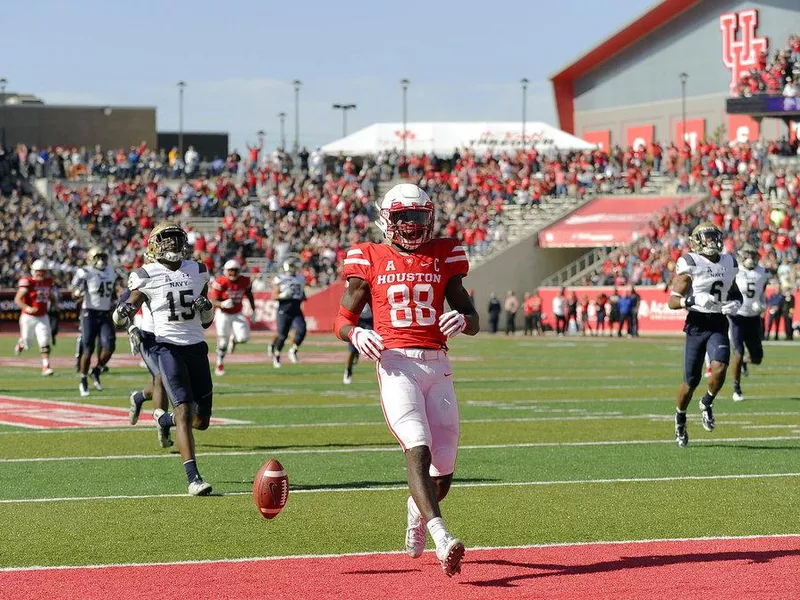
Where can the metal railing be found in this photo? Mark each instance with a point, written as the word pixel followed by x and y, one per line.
pixel 571 274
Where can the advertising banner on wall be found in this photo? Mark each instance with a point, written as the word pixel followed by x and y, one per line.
pixel 602 138
pixel 640 135
pixel 609 221
pixel 742 128
pixel 694 133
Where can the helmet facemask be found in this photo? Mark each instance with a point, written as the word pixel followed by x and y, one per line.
pixel 169 246
pixel 408 228
pixel 707 242
pixel 749 257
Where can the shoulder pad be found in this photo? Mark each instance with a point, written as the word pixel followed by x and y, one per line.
pixel 689 259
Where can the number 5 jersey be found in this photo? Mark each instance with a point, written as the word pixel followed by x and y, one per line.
pixel 407 289
pixel 169 296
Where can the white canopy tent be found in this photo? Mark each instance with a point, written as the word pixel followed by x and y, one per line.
pixel 443 138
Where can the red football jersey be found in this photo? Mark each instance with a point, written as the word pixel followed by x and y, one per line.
pixel 38 293
pixel 223 288
pixel 407 288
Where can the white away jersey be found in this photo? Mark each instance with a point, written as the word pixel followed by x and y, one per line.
pixel 752 284
pixel 170 295
pixel 290 287
pixel 97 286
pixel 715 278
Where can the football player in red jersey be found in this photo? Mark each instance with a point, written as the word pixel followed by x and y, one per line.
pixel 226 294
pixel 406 281
pixel 34 297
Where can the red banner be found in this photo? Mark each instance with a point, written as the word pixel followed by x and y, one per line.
pixel 694 134
pixel 794 130
pixel 320 309
pixel 655 316
pixel 608 221
pixel 640 135
pixel 602 138
pixel 742 128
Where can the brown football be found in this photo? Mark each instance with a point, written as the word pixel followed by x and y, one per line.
pixel 271 489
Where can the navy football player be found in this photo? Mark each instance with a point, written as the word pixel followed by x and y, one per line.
pixel 175 291
pixel 704 285
pixel 289 289
pixel 746 325
pixel 96 284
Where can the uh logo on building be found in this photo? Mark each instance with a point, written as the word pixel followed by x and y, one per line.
pixel 740 52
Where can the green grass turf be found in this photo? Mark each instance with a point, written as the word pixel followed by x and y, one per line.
pixel 537 414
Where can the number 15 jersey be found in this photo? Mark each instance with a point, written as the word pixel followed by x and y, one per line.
pixel 407 289
pixel 169 296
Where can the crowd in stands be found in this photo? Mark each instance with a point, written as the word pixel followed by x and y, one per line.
pixel 267 208
pixel 751 201
pixel 780 76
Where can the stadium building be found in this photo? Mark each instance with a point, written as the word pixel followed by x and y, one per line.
pixel 672 69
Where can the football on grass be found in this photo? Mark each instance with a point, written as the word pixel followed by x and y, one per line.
pixel 271 489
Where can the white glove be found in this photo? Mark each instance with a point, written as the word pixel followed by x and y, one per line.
pixel 706 301
pixel 731 308
pixel 452 323
pixel 757 307
pixel 30 310
pixel 77 294
pixel 229 303
pixel 367 342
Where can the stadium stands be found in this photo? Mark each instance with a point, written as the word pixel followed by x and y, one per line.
pixel 779 76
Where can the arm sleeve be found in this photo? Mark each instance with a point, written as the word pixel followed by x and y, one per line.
pixel 357 263
pixel 456 260
pixel 139 279
pixel 80 276
pixel 684 266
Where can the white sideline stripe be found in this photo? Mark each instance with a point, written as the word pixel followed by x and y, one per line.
pixel 216 561
pixel 393 448
pixel 394 488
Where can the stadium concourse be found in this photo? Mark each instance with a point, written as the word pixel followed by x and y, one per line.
pixel 266 207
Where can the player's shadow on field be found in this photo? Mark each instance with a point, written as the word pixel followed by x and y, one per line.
pixel 356 484
pixel 291 446
pixel 792 448
pixel 621 564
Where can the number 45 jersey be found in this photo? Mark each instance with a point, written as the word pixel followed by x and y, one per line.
pixel 715 278
pixel 169 296
pixel 407 289
pixel 97 286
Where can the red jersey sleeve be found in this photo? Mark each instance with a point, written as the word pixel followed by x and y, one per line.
pixel 357 263
pixel 217 288
pixel 246 283
pixel 455 258
pixel 24 282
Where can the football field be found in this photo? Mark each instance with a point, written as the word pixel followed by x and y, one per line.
pixel 567 457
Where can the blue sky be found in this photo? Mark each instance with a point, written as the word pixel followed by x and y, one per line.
pixel 238 59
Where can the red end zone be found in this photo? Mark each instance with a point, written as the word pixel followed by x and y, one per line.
pixel 47 414
pixel 721 569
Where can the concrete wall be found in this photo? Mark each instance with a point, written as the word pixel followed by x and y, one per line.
pixel 641 85
pixel 44 125
pixel 521 268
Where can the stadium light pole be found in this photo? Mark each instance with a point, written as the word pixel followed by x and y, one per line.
pixel 282 117
pixel 524 82
pixel 344 108
pixel 181 86
pixel 683 77
pixel 261 134
pixel 296 148
pixel 3 82
pixel 405 83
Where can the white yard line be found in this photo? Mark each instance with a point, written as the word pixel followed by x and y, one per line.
pixel 394 488
pixel 393 448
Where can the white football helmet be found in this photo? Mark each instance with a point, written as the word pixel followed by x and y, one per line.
pixel 39 268
pixel 232 269
pixel 406 216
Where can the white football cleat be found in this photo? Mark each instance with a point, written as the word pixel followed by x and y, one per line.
pixel 450 552
pixel 416 532
pixel 220 370
pixel 83 390
pixel 199 488
pixel 293 355
pixel 47 372
pixel 18 348
pixel 738 397
pixel 134 410
pixel 163 432
pixel 276 362
pixel 347 379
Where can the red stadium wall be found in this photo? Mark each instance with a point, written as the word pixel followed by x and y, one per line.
pixel 655 316
pixel 742 128
pixel 640 135
pixel 695 131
